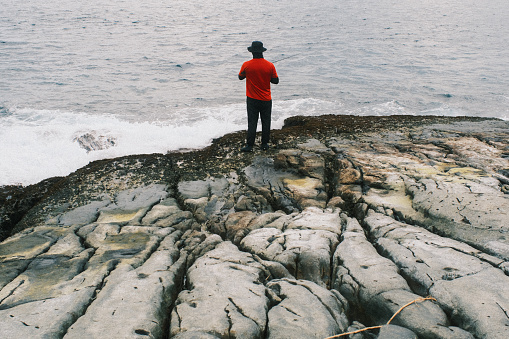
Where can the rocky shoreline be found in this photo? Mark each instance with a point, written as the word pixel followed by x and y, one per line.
pixel 339 225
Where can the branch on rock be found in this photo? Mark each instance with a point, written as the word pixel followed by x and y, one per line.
pixel 380 326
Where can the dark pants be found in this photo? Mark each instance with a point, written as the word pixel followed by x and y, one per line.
pixel 257 108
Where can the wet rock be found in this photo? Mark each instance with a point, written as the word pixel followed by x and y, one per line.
pixel 16 201
pixel 66 268
pixel 141 295
pixel 131 205
pixel 344 223
pixel 305 163
pixel 290 191
pixel 44 299
pixel 83 215
pixel 94 141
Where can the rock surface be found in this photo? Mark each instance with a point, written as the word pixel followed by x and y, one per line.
pixel 337 227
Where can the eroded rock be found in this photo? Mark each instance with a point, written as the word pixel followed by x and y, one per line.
pixel 226 296
pixel 347 221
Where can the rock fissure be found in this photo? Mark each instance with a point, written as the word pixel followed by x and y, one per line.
pixel 11 292
pixel 350 275
pixel 241 312
pixel 325 304
pixel 97 290
pixel 230 321
pixel 331 169
pixel 506 312
pixel 292 311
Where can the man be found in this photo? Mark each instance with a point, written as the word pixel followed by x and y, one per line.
pixel 259 74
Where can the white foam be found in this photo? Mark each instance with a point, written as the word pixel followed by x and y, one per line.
pixel 380 109
pixel 38 144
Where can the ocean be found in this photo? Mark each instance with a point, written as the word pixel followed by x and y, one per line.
pixel 82 81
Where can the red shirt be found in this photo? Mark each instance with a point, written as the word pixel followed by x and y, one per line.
pixel 258 73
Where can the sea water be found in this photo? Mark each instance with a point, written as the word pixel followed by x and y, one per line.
pixel 158 75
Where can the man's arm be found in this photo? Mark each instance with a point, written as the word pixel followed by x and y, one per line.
pixel 275 81
pixel 242 72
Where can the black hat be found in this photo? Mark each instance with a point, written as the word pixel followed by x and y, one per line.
pixel 256 47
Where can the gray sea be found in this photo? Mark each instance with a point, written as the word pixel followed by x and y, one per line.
pixel 152 76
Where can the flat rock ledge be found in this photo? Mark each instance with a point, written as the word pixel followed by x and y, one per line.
pixel 344 221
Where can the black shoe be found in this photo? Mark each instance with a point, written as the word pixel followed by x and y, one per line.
pixel 264 147
pixel 247 148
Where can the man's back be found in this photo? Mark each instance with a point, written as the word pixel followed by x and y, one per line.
pixel 259 73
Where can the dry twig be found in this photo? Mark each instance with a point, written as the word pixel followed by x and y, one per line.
pixel 392 318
